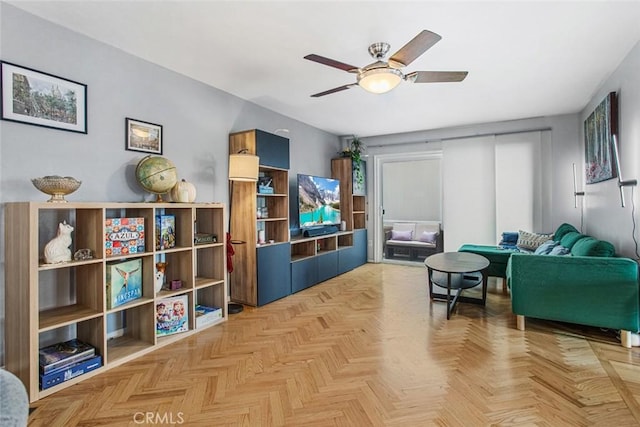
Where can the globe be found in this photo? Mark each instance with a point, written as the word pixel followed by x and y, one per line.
pixel 156 175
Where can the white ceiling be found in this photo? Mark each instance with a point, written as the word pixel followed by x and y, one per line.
pixel 525 59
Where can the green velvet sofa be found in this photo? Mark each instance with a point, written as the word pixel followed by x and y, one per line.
pixel 589 287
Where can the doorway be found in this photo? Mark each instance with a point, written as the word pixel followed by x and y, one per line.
pixel 408 188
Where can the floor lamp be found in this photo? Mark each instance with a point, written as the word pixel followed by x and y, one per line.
pixel 243 166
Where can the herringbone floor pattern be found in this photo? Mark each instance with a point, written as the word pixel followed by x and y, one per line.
pixel 367 348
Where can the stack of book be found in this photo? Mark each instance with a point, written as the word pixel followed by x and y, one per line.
pixel 66 360
pixel 207 315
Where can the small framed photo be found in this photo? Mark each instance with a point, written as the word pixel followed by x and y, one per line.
pixel 143 136
pixel 42 99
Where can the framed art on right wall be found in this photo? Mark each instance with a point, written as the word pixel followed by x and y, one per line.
pixel 599 129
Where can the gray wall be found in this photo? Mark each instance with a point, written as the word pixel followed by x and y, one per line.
pixel 196 119
pixel 604 216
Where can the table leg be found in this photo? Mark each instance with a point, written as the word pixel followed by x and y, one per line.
pixel 430 283
pixel 485 280
pixel 449 307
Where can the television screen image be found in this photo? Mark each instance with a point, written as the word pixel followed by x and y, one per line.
pixel 318 201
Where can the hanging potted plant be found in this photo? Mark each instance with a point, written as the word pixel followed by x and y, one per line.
pixel 355 149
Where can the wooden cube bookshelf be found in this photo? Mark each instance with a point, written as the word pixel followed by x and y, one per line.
pixel 49 303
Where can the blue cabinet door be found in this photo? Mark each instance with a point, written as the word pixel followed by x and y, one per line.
pixel 274 272
pixel 304 273
pixel 353 256
pixel 327 266
pixel 273 150
pixel 360 246
pixel 346 259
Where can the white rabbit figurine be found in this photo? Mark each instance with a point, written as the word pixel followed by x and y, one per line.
pixel 57 250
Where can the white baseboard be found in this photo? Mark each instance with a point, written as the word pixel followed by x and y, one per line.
pixel 115 334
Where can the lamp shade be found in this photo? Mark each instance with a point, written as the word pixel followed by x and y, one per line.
pixel 379 80
pixel 243 167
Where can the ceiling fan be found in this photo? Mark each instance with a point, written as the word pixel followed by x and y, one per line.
pixel 382 76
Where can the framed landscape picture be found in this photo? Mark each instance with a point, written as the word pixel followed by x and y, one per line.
pixel 599 129
pixel 41 99
pixel 143 136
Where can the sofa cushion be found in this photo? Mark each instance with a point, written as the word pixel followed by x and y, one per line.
pixel 406 235
pixel 531 241
pixel 428 236
pixel 570 239
pixel 410 244
pixel 589 246
pixel 404 226
pixel 562 230
pixel 497 257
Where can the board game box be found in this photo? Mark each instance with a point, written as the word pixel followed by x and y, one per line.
pixel 124 282
pixel 63 354
pixel 172 315
pixel 207 315
pixel 123 236
pixel 165 231
pixel 65 374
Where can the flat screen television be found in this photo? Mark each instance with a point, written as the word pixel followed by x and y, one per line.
pixel 318 201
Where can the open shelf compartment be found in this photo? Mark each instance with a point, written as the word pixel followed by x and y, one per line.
pixel 211 297
pixel 135 332
pixel 68 295
pixel 210 267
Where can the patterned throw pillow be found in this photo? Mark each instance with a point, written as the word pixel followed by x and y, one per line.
pixel 401 235
pixel 531 241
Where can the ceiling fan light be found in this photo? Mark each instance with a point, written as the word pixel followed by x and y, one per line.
pixel 379 80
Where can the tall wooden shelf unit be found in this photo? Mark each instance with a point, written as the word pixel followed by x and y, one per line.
pixel 353 209
pixel 352 204
pixel 260 273
pixel 49 303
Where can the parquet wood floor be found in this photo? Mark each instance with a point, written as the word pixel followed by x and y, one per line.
pixel 367 348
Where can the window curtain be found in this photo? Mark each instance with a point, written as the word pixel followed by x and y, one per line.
pixel 412 190
pixel 492 184
pixel 469 192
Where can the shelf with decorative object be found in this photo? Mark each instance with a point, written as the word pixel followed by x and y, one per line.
pixel 272 210
pixel 49 303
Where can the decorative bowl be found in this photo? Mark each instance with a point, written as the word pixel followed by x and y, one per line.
pixel 56 186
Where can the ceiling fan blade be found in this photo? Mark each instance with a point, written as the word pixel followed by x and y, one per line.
pixel 334 90
pixel 416 47
pixel 331 63
pixel 436 76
